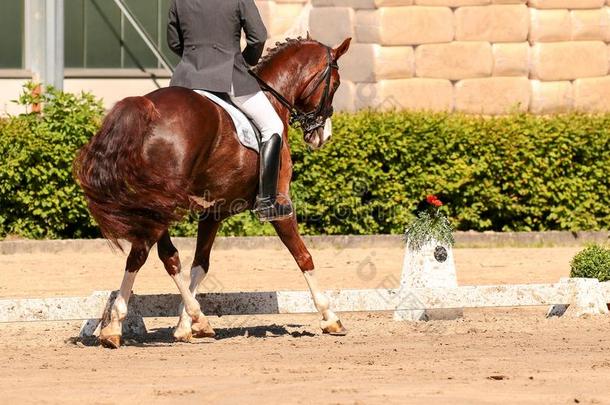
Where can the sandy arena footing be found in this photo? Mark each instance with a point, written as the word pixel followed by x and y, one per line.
pixel 490 356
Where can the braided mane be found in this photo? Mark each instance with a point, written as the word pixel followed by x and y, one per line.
pixel 280 46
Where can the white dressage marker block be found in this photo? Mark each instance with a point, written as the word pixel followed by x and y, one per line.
pixel 430 267
pixel 589 297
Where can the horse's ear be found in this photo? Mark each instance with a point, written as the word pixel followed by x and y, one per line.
pixel 341 49
pixel 308 35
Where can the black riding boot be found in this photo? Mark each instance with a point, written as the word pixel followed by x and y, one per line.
pixel 267 207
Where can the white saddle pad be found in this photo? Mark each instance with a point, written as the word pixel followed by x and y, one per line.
pixel 243 126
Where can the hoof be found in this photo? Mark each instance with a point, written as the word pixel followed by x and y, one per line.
pixel 336 329
pixel 111 342
pixel 203 330
pixel 185 337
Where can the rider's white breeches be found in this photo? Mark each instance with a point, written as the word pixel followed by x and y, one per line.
pixel 259 109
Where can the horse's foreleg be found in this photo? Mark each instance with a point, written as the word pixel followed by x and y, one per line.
pixel 112 323
pixel 206 233
pixel 171 260
pixel 330 322
pixel 288 232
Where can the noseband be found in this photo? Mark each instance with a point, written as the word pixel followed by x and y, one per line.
pixel 312 120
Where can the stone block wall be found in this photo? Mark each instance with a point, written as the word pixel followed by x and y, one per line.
pixel 474 56
pixel 282 17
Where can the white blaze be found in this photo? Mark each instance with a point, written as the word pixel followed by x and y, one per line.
pixel 328 130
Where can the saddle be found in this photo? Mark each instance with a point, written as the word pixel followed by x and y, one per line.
pixel 247 133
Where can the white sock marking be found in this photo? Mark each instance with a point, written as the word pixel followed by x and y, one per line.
pixel 119 307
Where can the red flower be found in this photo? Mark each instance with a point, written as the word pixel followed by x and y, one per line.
pixel 433 200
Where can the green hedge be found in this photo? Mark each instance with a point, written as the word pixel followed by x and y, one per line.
pixel 514 173
pixel 38 196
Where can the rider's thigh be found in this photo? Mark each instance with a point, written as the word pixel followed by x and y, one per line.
pixel 260 110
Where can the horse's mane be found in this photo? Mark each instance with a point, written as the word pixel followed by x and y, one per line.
pixel 279 47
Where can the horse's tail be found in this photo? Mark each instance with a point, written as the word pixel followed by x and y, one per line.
pixel 127 197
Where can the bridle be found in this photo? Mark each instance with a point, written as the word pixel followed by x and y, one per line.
pixel 312 120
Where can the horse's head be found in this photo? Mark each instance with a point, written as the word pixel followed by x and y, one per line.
pixel 306 84
pixel 316 99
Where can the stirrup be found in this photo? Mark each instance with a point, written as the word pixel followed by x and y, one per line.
pixel 268 209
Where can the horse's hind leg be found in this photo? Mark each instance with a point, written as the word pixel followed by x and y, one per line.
pixel 288 232
pixel 206 233
pixel 112 324
pixel 169 256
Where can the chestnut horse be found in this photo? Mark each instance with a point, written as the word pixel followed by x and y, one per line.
pixel 157 156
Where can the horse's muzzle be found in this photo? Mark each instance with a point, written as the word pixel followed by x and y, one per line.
pixel 319 136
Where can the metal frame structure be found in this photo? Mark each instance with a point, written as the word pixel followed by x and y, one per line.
pixel 135 23
pixel 44 40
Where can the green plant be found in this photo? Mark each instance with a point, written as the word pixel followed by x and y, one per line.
pixel 38 197
pixel 592 262
pixel 513 173
pixel 429 225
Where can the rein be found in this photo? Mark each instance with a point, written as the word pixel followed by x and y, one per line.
pixel 312 120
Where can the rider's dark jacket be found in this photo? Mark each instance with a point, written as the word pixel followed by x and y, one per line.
pixel 206 35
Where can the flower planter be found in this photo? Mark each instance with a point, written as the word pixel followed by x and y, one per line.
pixel 430 266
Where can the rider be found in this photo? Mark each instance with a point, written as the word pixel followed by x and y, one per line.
pixel 206 35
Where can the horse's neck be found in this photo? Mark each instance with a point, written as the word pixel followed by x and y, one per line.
pixel 288 85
